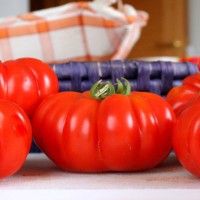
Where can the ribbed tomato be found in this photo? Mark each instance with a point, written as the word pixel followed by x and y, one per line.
pixel 26 81
pixel 186 138
pixel 182 96
pixel 15 137
pixel 105 132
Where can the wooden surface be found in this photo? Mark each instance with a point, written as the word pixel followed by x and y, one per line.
pixel 166 33
pixel 40 177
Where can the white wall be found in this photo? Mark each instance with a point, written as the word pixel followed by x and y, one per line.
pixel 14 7
pixel 194 28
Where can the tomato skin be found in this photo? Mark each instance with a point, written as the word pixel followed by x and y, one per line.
pixel 186 138
pixel 26 81
pixel 15 137
pixel 119 133
pixel 181 97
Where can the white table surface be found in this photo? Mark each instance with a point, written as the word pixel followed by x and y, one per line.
pixel 39 178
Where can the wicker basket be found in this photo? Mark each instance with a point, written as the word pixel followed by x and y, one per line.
pixel 92 30
pixel 157 77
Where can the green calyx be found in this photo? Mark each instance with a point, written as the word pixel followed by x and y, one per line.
pixel 100 90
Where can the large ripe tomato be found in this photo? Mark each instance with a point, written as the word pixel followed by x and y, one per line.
pixel 27 81
pixel 182 96
pixel 186 138
pixel 119 133
pixel 15 137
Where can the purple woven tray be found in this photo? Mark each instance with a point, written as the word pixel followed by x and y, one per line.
pixel 157 77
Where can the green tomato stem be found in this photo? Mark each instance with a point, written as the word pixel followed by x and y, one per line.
pixel 123 88
pixel 102 90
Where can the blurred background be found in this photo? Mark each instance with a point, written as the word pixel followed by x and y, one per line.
pixel 173 28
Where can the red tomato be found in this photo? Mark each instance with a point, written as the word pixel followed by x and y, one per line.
pixel 182 96
pixel 15 137
pixel 186 138
pixel 193 59
pixel 27 81
pixel 120 133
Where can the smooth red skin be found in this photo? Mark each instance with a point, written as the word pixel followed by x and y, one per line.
pixel 182 96
pixel 120 133
pixel 15 137
pixel 186 138
pixel 27 81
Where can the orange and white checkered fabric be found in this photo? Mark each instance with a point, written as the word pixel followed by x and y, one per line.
pixel 81 31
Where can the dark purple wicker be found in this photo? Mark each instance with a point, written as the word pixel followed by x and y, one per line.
pixel 157 77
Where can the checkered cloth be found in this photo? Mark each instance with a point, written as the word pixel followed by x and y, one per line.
pixel 81 31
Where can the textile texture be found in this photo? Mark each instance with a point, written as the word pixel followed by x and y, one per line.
pixel 81 31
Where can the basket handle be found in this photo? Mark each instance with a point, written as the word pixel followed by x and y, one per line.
pixel 110 2
pixel 120 5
